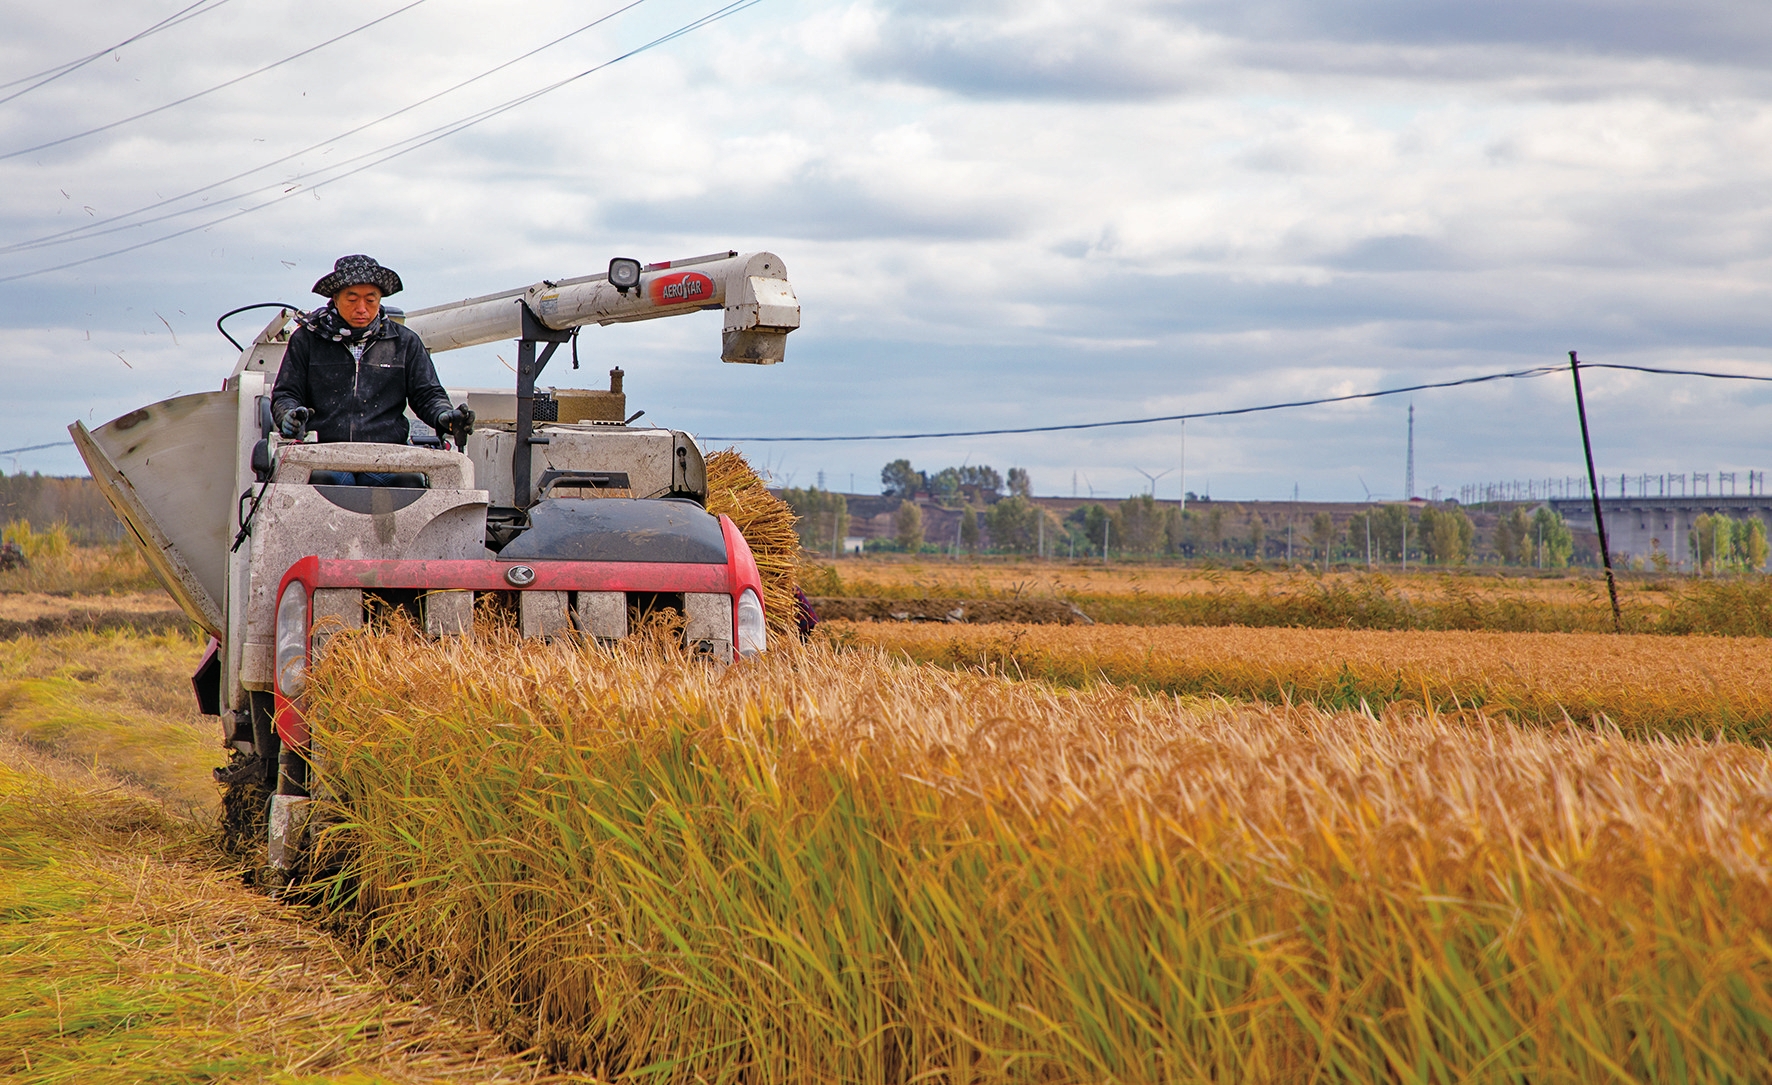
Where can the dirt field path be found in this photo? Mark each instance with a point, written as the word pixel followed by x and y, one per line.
pixel 131 950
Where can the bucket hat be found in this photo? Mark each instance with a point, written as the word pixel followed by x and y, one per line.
pixel 356 271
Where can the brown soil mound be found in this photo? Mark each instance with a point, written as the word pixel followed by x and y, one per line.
pixel 971 611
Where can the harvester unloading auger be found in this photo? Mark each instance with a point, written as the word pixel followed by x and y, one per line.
pixel 575 520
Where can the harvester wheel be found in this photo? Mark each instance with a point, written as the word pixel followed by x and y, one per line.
pixel 245 799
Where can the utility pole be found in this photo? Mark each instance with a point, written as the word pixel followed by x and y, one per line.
pixel 1599 517
pixel 1182 467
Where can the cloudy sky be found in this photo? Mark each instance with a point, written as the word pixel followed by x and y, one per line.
pixel 995 215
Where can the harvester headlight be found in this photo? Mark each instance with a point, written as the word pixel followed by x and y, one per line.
pixel 624 273
pixel 753 635
pixel 292 640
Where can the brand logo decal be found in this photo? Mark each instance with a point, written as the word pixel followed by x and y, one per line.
pixel 681 287
pixel 520 575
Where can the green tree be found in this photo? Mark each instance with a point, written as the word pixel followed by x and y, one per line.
pixel 1322 536
pixel 907 527
pixel 1750 543
pixel 1215 529
pixel 945 486
pixel 1019 485
pixel 1142 525
pixel 822 517
pixel 900 479
pixel 1093 521
pixel 1551 538
pixel 1359 532
pixel 969 530
pixel 1512 537
pixel 979 483
pixel 1257 535
pixel 1015 524
pixel 1392 529
pixel 1180 529
pixel 1446 535
pixel 1712 540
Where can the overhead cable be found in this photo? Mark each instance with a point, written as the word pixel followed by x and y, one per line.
pixel 1677 372
pixel 1517 374
pixel 105 225
pixel 33 448
pixel 50 75
pixel 435 134
pixel 1514 375
pixel 211 90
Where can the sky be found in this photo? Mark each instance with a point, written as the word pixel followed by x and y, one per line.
pixel 994 214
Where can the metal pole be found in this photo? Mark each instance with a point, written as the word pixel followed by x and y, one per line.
pixel 1587 448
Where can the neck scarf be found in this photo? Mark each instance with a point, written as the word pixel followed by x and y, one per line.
pixel 327 323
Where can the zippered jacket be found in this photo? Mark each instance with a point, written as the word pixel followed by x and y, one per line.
pixel 363 400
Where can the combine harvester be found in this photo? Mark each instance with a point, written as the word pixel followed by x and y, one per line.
pixel 554 509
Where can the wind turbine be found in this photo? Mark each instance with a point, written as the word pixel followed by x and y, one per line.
pixel 1153 478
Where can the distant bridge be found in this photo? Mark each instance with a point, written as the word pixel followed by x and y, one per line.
pixel 1637 527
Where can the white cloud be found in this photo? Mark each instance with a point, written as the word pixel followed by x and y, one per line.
pixel 994 215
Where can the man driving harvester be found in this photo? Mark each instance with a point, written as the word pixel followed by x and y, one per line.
pixel 350 371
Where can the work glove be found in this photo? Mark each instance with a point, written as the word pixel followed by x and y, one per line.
pixel 294 423
pixel 458 422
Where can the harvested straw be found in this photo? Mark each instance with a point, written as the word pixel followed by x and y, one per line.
pixel 768 525
pixel 825 867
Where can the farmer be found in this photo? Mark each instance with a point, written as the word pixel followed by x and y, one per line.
pixel 350 371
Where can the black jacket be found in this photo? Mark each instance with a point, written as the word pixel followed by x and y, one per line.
pixel 360 400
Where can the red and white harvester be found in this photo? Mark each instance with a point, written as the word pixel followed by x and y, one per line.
pixel 572 520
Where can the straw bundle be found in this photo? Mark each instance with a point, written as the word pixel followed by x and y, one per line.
pixel 768 526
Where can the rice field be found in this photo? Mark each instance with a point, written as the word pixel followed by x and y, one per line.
pixel 1138 594
pixel 827 865
pixel 1642 684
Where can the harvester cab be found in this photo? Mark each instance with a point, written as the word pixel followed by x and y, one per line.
pixel 572 521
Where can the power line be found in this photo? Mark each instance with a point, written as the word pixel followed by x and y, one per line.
pixel 1517 374
pixel 68 68
pixel 433 135
pixel 103 226
pixel 1676 372
pixel 211 90
pixel 1514 375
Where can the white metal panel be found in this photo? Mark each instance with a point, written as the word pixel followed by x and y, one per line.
pixel 603 614
pixel 709 624
pixel 336 610
pixel 168 471
pixel 543 614
pixel 449 613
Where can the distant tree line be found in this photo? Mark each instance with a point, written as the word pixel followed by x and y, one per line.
pixel 978 484
pixel 44 500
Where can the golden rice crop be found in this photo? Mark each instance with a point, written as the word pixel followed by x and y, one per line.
pixel 821 866
pixel 1439 600
pixel 1641 683
pixel 767 524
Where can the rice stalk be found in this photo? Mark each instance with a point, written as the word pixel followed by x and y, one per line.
pixel 825 866
pixel 1644 684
